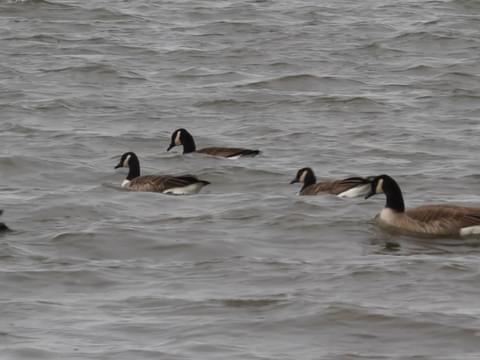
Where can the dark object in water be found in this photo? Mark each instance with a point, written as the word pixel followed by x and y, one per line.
pixel 3 227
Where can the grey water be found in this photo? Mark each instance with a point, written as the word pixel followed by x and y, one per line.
pixel 246 269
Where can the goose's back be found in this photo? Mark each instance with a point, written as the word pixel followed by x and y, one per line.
pixel 228 151
pixel 160 183
pixel 335 187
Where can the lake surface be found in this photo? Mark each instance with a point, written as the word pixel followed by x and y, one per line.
pixel 246 269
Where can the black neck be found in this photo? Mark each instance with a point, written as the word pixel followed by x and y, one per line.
pixel 133 168
pixel 188 143
pixel 189 148
pixel 393 194
pixel 310 179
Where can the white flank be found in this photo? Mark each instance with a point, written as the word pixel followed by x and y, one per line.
pixel 125 183
pixel 185 190
pixel 471 230
pixel 357 191
pixel 242 156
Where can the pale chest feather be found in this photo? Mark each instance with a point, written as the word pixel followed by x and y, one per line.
pixel 388 216
pixel 400 221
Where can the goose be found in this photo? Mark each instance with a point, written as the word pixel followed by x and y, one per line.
pixel 183 137
pixel 3 227
pixel 167 184
pixel 427 220
pixel 347 188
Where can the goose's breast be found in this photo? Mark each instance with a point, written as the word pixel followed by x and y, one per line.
pixel 388 216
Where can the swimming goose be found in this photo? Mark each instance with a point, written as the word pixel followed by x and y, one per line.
pixel 3 227
pixel 183 137
pixel 349 188
pixel 429 220
pixel 167 184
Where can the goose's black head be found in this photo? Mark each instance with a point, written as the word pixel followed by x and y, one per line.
pixel 305 176
pixel 182 137
pixel 388 186
pixel 126 160
pixel 130 161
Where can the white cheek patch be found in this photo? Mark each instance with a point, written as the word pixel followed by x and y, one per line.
pixel 177 139
pixel 379 188
pixel 125 183
pixel 125 162
pixel 303 176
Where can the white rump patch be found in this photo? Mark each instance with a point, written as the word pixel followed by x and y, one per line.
pixel 235 157
pixel 185 190
pixel 471 230
pixel 243 156
pixel 125 183
pixel 357 191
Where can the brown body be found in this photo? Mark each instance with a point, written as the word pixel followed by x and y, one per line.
pixel 331 187
pixel 184 138
pixel 431 220
pixel 428 220
pixel 350 187
pixel 167 184
pixel 227 152
pixel 163 183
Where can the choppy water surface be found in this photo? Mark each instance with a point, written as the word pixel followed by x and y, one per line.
pixel 246 269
